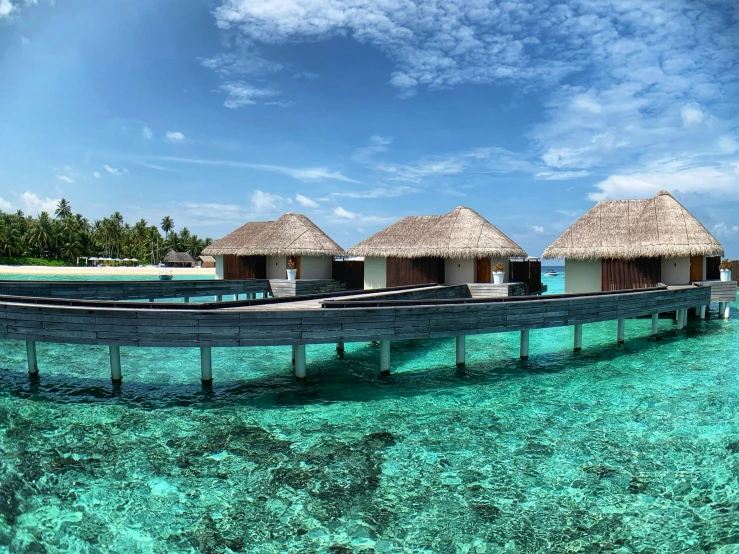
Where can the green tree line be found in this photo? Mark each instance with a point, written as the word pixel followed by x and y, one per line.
pixel 67 235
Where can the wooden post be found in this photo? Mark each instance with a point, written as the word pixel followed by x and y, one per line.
pixel 680 320
pixel 703 312
pixel 32 358
pixel 340 348
pixel 461 351
pixel 187 299
pixel 621 330
pixel 578 337
pixel 115 363
pixel 206 364
pixel 727 310
pixel 219 298
pixel 300 369
pixel 524 344
pixel 151 300
pixel 294 348
pixel 384 357
pixel 721 308
pixel 655 324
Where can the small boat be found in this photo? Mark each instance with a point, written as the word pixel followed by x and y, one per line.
pixel 551 273
pixel 165 276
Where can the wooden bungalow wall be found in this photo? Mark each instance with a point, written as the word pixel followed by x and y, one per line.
pixel 527 271
pixel 641 273
pixel 414 271
pixel 244 267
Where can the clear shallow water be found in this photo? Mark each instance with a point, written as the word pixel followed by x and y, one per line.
pixel 618 449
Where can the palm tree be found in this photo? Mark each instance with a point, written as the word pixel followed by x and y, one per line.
pixel 167 225
pixel 63 209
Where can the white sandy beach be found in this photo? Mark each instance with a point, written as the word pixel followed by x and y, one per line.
pixel 102 271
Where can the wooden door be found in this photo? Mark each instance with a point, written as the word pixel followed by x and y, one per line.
pixel 641 273
pixel 296 261
pixel 484 271
pixel 402 272
pixel 696 268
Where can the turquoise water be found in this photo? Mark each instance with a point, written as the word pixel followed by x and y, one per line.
pixel 618 449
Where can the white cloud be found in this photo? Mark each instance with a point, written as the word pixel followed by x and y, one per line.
pixel 6 8
pixel 378 144
pixel 344 214
pixel 537 229
pixel 691 114
pixel 242 94
pixel 96 175
pixel 114 171
pixel 5 206
pixel 724 230
pixel 561 175
pixel 305 201
pixel 266 202
pixel 175 136
pixel 146 133
pixel 65 178
pixel 728 145
pixel 379 192
pixel 33 205
pixel 301 174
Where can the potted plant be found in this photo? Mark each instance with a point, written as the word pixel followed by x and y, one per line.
pixel 498 273
pixel 725 269
pixel 291 271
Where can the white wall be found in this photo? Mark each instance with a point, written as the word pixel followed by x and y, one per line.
pixel 375 273
pixel 582 276
pixel 276 267
pixel 676 271
pixel 315 267
pixel 219 267
pixel 458 272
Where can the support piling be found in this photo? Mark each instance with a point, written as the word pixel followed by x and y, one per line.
pixel 340 348
pixel 384 357
pixel 655 324
pixel 32 358
pixel 115 363
pixel 524 344
pixel 206 364
pixel 578 337
pixel 461 351
pixel 621 330
pixel 300 365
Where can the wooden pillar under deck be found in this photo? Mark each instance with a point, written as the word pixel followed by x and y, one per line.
pixel 655 325
pixel 703 311
pixel 32 358
pixel 340 348
pixel 727 310
pixel 461 351
pixel 206 364
pixel 680 319
pixel 384 357
pixel 524 344
pixel 621 330
pixel 115 363
pixel 300 365
pixel 578 337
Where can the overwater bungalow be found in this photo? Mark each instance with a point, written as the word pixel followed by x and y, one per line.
pixel 264 249
pixel 634 244
pixel 455 248
pixel 206 261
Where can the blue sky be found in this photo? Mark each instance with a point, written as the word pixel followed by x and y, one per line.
pixel 358 113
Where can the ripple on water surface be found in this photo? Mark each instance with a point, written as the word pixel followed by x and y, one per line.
pixel 618 449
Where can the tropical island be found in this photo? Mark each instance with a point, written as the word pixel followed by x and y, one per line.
pixel 62 238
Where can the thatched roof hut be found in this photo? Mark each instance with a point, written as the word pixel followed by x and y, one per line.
pixel 290 235
pixel 178 258
pixel 460 234
pixel 658 227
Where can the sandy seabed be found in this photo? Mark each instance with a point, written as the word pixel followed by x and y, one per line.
pixel 102 271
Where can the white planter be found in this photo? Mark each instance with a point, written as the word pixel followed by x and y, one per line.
pixel 498 277
pixel 725 274
pixel 291 273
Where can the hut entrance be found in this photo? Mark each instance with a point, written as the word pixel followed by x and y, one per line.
pixel 696 268
pixel 244 267
pixel 641 273
pixel 712 270
pixel 484 270
pixel 296 264
pixel 414 271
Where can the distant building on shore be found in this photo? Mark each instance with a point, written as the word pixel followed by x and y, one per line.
pixel 632 244
pixel 458 247
pixel 263 249
pixel 178 259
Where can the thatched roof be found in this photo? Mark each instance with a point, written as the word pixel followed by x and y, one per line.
pixel 460 234
pixel 628 229
pixel 173 257
pixel 206 259
pixel 291 235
